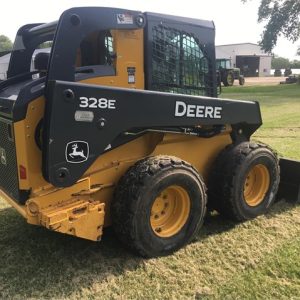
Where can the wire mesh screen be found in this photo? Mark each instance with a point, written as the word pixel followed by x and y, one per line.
pixel 178 63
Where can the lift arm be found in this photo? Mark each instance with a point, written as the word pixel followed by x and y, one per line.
pixel 82 121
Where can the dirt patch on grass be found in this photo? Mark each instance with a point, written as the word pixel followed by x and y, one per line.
pixel 252 81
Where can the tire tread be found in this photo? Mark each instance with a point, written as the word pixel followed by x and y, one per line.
pixel 125 202
pixel 224 173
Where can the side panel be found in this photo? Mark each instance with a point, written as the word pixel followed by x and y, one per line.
pixel 50 208
pixel 72 145
pixel 199 152
pixel 29 156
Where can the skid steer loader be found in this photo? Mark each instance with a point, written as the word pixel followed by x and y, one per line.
pixel 119 124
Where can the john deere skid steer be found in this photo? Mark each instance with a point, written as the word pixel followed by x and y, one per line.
pixel 120 125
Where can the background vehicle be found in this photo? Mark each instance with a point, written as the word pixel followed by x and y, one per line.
pixel 120 125
pixel 227 73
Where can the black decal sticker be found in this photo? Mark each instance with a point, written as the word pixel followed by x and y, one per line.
pixel 77 152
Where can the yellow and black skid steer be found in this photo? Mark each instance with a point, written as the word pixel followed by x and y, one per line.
pixel 118 124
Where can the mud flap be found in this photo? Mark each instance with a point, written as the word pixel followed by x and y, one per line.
pixel 289 186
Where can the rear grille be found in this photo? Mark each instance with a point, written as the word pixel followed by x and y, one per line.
pixel 8 161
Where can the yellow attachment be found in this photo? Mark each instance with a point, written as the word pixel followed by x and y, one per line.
pixel 79 218
pixel 170 211
pixel 70 210
pixel 256 185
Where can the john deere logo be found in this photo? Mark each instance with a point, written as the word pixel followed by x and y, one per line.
pixel 3 156
pixel 77 152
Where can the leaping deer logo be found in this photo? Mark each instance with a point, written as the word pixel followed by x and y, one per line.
pixel 76 153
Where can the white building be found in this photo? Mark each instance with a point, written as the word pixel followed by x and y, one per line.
pixel 250 58
pixel 4 61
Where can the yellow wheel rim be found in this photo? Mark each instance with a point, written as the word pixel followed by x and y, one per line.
pixel 256 185
pixel 170 211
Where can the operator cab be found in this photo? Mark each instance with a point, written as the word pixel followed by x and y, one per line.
pixel 113 48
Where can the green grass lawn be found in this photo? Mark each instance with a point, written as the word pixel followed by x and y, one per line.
pixel 280 107
pixel 258 259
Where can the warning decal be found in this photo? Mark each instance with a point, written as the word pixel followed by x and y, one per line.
pixel 124 19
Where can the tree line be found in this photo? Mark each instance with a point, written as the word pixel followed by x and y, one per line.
pixel 5 43
pixel 284 63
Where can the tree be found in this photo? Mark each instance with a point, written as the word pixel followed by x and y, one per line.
pixel 280 63
pixel 295 64
pixel 282 18
pixel 298 51
pixel 5 43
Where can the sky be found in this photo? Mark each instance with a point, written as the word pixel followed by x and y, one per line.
pixel 235 22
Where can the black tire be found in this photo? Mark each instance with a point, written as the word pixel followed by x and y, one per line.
pixel 241 80
pixel 139 188
pixel 229 192
pixel 228 79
